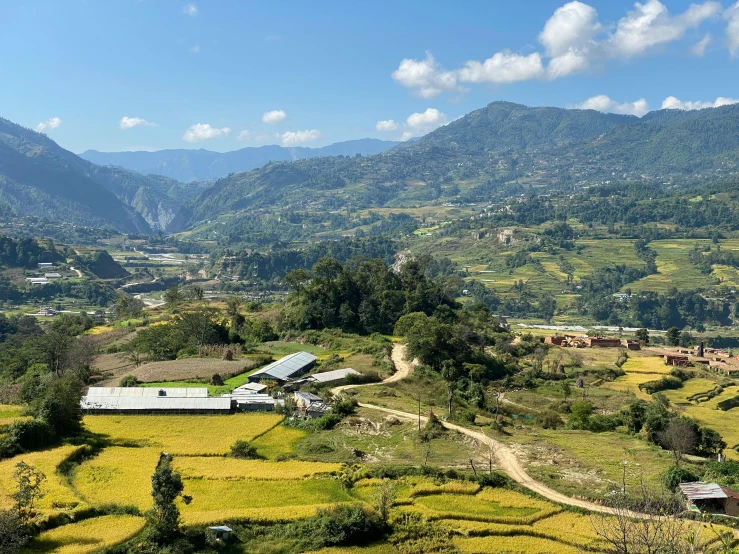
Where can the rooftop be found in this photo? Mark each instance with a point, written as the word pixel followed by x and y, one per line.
pixel 335 375
pixel 153 403
pixel 286 367
pixel 168 392
pixel 702 491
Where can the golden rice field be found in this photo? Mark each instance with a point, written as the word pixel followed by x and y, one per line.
pixel 277 442
pixel 516 544
pixel 87 536
pixel 646 364
pixel 231 469
pixel 262 501
pixel 630 383
pixel 58 496
pixel 186 435
pixel 118 475
pixel 690 388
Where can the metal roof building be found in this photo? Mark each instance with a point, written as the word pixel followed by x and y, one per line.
pixel 155 405
pixel 250 388
pixel 253 402
pixel 168 392
pixel 335 375
pixel 285 368
pixel 701 491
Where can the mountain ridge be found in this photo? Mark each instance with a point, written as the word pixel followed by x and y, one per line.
pixel 188 165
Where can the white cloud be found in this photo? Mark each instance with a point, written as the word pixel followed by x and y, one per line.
pixel 603 103
pixel 386 125
pixel 245 135
pixel 195 48
pixel 274 117
pixel 191 10
pixel 650 24
pixel 421 123
pixel 572 39
pixel 293 138
pixel 699 48
pixel 425 76
pixel 51 123
pixel 131 122
pixel 672 103
pixel 203 131
pixel 731 15
pixel 503 68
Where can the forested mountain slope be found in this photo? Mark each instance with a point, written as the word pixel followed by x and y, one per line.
pixel 500 145
pixel 42 179
pixel 193 165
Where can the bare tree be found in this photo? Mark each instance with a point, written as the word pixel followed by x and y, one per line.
pixel 651 524
pixel 679 438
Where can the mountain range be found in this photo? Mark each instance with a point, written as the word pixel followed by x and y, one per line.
pixel 196 165
pixel 501 147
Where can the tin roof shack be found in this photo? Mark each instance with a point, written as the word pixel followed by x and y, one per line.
pixel 153 400
pixel 253 402
pixel 602 342
pixel 710 498
pixel 677 360
pixel 286 368
pixel 310 405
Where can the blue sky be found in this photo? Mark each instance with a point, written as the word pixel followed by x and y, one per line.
pixel 224 74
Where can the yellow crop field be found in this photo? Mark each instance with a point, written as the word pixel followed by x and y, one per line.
pixel 630 383
pixel 568 528
pixel 278 441
pixel 230 469
pixel 646 364
pixel 187 434
pixel 512 545
pixel 193 517
pixel 212 496
pixel 89 535
pixel 486 506
pixel 57 495
pixel 690 388
pixel 726 423
pixel 453 487
pixel 378 549
pixel 118 475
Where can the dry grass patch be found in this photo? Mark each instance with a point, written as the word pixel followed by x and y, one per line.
pixel 184 435
pixel 90 535
pixel 178 370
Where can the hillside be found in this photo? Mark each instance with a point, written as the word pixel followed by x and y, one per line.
pixel 193 165
pixel 502 146
pixel 39 178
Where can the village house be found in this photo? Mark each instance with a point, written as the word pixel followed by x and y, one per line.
pixel 677 360
pixel 710 498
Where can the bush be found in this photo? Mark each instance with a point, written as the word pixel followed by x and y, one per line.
pixel 599 423
pixel 13 533
pixel 666 383
pixel 128 381
pixel 243 451
pixel 30 434
pixel 345 525
pixel 468 416
pixel 549 419
pixel 673 476
pixel 362 378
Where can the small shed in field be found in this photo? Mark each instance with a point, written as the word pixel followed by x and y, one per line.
pixel 710 498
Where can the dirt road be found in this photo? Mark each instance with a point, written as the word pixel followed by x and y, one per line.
pixel 506 459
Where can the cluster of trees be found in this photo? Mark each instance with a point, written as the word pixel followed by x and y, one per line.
pixel 706 258
pixel 363 295
pixel 27 252
pixel 93 292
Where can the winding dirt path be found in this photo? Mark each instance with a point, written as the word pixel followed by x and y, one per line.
pixel 506 459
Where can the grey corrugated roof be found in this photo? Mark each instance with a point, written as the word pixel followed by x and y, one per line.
pixel 154 403
pixel 702 491
pixel 286 367
pixel 169 392
pixel 309 396
pixel 250 387
pixel 335 375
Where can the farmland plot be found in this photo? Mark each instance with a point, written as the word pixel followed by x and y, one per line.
pixel 87 536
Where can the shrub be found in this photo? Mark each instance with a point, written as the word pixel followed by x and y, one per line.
pixel 673 476
pixel 29 434
pixel 468 416
pixel 243 451
pixel 344 524
pixel 363 378
pixel 599 423
pixel 549 419
pixel 666 383
pixel 128 381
